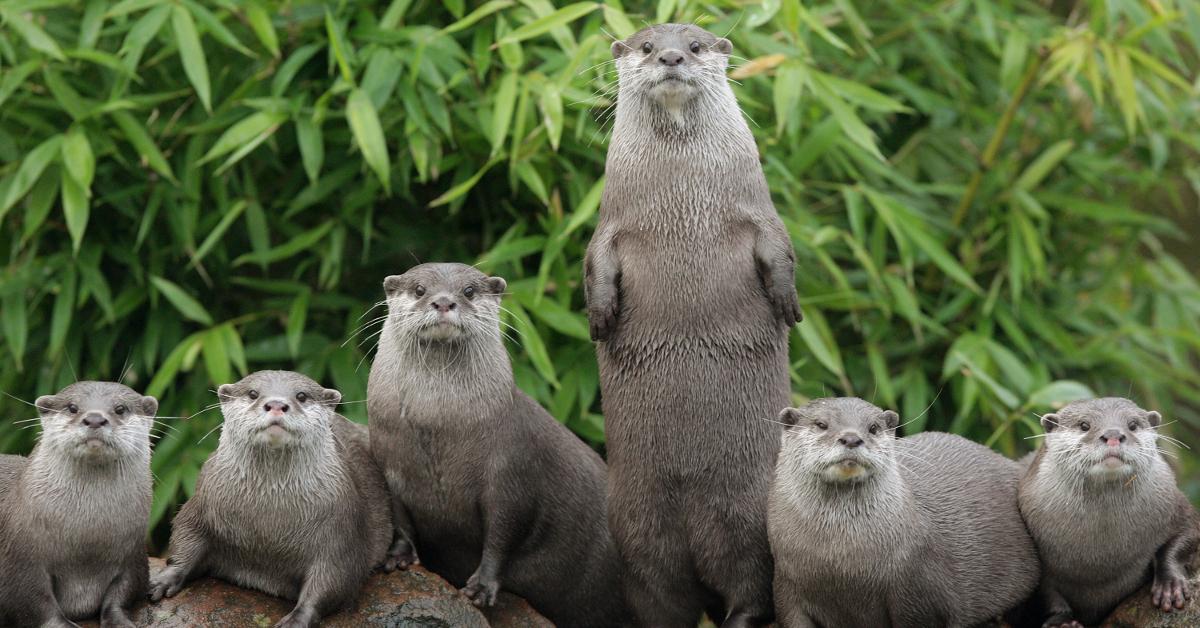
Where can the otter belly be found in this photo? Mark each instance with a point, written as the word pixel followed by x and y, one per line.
pixel 79 589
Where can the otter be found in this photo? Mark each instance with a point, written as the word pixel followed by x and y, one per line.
pixel 488 489
pixel 690 295
pixel 73 514
pixel 873 530
pixel 1103 507
pixel 291 502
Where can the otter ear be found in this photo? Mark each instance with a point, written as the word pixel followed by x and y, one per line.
pixel 891 419
pixel 496 285
pixel 619 48
pixel 331 397
pixel 1154 418
pixel 1051 422
pixel 789 417
pixel 723 46
pixel 391 285
pixel 225 392
pixel 149 406
pixel 47 404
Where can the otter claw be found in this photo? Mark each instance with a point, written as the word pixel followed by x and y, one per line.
pixel 401 556
pixel 481 594
pixel 1171 594
pixel 164 586
pixel 602 320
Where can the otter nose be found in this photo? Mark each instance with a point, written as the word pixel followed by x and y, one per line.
pixel 670 58
pixel 443 304
pixel 275 406
pixel 850 440
pixel 1113 437
pixel 94 420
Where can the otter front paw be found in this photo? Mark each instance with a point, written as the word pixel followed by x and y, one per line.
pixel 116 620
pixel 167 583
pixel 1170 593
pixel 481 591
pixel 401 556
pixel 786 304
pixel 1061 620
pixel 297 619
pixel 602 318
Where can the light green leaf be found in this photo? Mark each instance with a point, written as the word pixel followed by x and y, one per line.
pixel 31 168
pixel 542 25
pixel 292 247
pixel 1059 393
pixel 78 158
pixel 218 231
pixel 534 347
pixel 502 110
pixel 191 54
pixel 819 339
pixel 75 209
pixel 260 21
pixel 312 146
pixel 1044 163
pixel 261 123
pixel 368 135
pixel 32 33
pixel 295 322
pixel 483 11
pixel 337 44
pixel 16 328
pixel 552 113
pixel 184 302
pixel 137 135
pixel 216 357
pixel 464 187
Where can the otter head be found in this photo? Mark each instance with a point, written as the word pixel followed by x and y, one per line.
pixel 96 422
pixel 1103 439
pixel 444 302
pixel 843 439
pixel 671 64
pixel 277 410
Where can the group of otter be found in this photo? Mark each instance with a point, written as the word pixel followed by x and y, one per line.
pixel 717 497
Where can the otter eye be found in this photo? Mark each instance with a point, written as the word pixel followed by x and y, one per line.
pixel 253 394
pixel 1085 426
pixel 469 292
pixel 874 429
pixel 420 291
pixel 72 408
pixel 647 47
pixel 301 397
pixel 119 410
pixel 821 425
pixel 695 47
pixel 1133 426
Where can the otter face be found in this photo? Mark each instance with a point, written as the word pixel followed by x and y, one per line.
pixel 97 422
pixel 277 410
pixel 671 63
pixel 1105 439
pixel 844 439
pixel 444 302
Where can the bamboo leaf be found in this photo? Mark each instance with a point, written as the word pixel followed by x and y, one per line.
pixel 368 135
pixel 506 98
pixel 1044 163
pixel 75 209
pixel 483 11
pixel 312 147
pixel 78 158
pixel 260 21
pixel 191 54
pixel 32 33
pixel 27 174
pixel 137 135
pixel 184 302
pixel 543 25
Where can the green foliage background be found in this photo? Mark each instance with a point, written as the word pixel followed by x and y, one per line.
pixel 983 195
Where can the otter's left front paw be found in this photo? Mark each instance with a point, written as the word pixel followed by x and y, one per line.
pixel 1170 593
pixel 481 591
pixel 115 620
pixel 297 619
pixel 786 304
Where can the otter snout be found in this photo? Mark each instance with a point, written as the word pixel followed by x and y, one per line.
pixel 95 420
pixel 670 58
pixel 1113 437
pixel 275 407
pixel 443 304
pixel 850 440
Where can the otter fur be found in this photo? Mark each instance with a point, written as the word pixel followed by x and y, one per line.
pixel 73 514
pixel 488 489
pixel 291 502
pixel 1107 516
pixel 691 295
pixel 873 530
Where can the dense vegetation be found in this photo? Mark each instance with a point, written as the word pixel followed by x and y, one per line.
pixel 982 195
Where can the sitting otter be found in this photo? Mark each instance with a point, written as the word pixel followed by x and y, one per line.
pixel 73 514
pixel 1103 507
pixel 290 503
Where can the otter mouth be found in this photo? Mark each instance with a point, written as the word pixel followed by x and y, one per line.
pixel 1113 460
pixel 847 468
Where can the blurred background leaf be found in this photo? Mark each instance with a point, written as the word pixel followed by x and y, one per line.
pixel 993 204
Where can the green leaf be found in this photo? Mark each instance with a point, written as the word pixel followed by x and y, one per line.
pixel 32 33
pixel 502 110
pixel 337 44
pixel 16 328
pixel 292 247
pixel 184 302
pixel 312 146
pixel 1044 163
pixel 218 232
pixel 216 357
pixel 295 322
pixel 137 135
pixel 14 77
pixel 191 53
pixel 1059 393
pixel 75 209
pixel 31 168
pixel 552 113
pixel 462 188
pixel 819 339
pixel 260 21
pixel 78 158
pixel 64 307
pixel 534 347
pixel 248 129
pixel 543 25
pixel 483 11
pixel 368 135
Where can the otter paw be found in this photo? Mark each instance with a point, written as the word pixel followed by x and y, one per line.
pixel 1062 621
pixel 401 556
pixel 1170 593
pixel 787 305
pixel 165 584
pixel 296 619
pixel 116 620
pixel 482 592
pixel 602 319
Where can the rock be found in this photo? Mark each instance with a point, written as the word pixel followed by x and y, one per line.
pixel 415 597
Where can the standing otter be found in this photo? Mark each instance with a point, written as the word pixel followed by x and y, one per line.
pixel 73 514
pixel 290 503
pixel 871 530
pixel 493 492
pixel 691 293
pixel 1102 505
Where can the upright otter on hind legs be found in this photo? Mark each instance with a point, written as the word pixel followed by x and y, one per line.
pixel 73 514
pixel 691 295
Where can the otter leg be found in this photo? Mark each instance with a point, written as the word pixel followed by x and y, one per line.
pixel 659 582
pixel 31 601
pixel 185 554
pixel 601 270
pixel 733 558
pixel 508 516
pixel 122 592
pixel 403 552
pixel 1058 611
pixel 1170 589
pixel 328 587
pixel 776 262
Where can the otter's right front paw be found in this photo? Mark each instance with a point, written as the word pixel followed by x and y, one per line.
pixel 401 556
pixel 602 318
pixel 1061 620
pixel 482 591
pixel 166 584
pixel 1169 593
